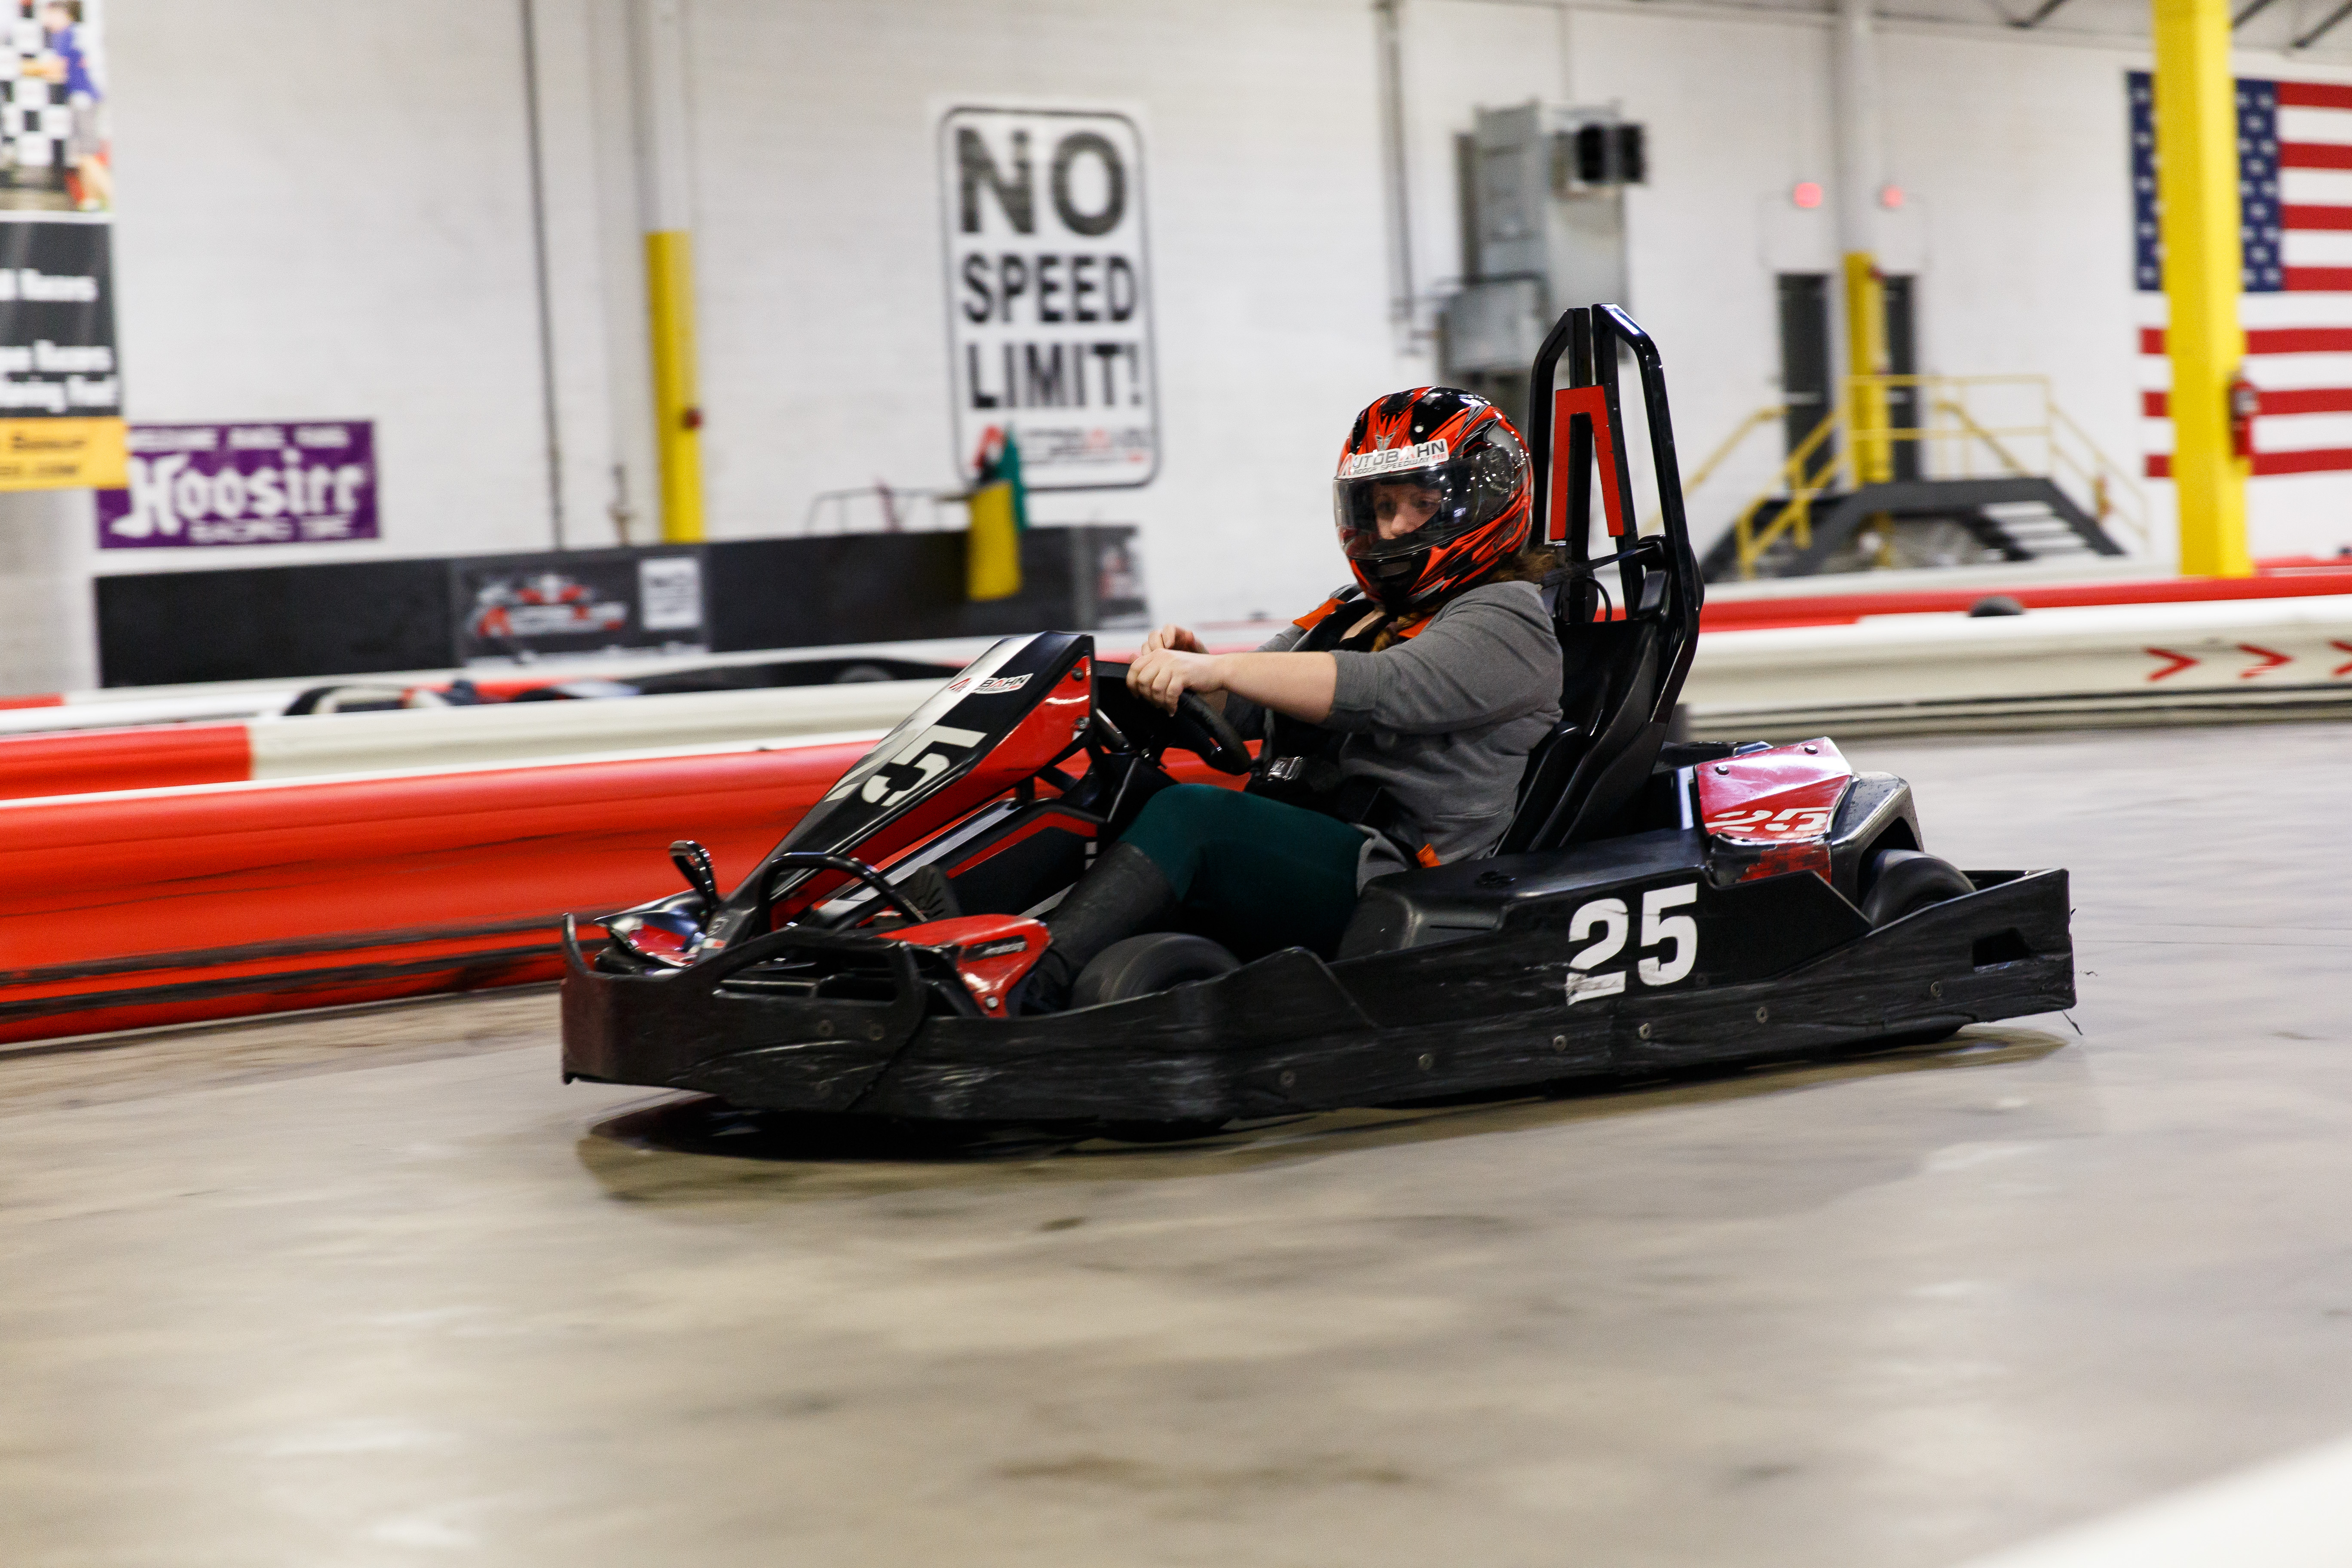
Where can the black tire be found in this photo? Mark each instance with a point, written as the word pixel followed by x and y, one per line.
pixel 1142 964
pixel 1905 881
pixel 1932 1037
pixel 1159 1132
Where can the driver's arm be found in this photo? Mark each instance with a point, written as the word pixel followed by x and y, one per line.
pixel 1300 685
pixel 1296 685
pixel 1159 684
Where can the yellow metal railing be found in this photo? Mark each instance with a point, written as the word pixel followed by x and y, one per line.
pixel 1967 426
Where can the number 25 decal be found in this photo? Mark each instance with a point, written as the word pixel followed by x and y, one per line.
pixel 929 754
pixel 1796 821
pixel 1611 921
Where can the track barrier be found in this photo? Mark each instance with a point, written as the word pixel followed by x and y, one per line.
pixel 318 745
pixel 2119 664
pixel 174 906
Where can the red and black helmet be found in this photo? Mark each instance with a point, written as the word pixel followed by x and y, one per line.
pixel 1431 491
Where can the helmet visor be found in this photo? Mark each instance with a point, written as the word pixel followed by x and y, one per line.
pixel 1408 499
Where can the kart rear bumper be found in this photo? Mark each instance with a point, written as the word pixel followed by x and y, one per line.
pixel 1292 1033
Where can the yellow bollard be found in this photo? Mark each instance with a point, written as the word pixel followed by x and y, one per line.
pixel 991 560
pixel 677 417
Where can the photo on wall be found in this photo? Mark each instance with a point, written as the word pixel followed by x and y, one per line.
pixel 60 388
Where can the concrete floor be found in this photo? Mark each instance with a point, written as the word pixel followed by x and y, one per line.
pixel 376 1288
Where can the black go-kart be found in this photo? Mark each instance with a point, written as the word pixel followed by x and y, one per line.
pixel 1655 906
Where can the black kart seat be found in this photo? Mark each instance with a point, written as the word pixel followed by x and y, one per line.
pixel 1596 758
pixel 1618 679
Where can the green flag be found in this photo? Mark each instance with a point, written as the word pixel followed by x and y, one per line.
pixel 1008 468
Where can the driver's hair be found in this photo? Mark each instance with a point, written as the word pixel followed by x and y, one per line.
pixel 1530 562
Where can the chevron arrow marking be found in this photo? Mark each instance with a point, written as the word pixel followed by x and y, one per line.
pixel 2271 660
pixel 2180 662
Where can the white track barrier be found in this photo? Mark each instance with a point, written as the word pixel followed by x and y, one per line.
pixel 97 710
pixel 1896 674
pixel 326 744
pixel 2048 668
pixel 115 707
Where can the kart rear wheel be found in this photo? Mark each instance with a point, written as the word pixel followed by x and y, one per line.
pixel 1143 964
pixel 1905 881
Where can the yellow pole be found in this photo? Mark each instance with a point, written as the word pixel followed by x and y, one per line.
pixel 677 418
pixel 1865 347
pixel 1861 164
pixel 665 201
pixel 2197 191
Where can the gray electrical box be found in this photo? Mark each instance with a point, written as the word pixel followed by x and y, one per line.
pixel 1543 219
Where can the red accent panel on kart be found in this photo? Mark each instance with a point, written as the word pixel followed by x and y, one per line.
pixel 1046 732
pixel 990 952
pixel 1591 403
pixel 1781 800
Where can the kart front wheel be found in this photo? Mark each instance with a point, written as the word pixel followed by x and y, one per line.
pixel 1905 881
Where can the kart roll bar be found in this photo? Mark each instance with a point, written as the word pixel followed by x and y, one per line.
pixel 1590 338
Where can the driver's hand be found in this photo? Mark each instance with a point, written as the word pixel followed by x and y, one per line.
pixel 1161 675
pixel 1175 636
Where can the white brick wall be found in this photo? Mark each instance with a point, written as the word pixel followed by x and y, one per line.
pixel 325 212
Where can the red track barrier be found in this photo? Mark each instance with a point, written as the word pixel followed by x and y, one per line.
pixel 127 911
pixel 88 761
pixel 137 910
pixel 2278 580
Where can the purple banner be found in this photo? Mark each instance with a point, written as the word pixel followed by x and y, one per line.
pixel 307 483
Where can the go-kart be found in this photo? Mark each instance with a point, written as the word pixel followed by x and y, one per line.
pixel 1654 905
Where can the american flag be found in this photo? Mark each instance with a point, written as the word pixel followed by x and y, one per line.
pixel 2295 193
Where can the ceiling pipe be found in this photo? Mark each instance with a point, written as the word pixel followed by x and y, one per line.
pixel 554 429
pixel 2325 28
pixel 2047 7
pixel 1854 97
pixel 1391 62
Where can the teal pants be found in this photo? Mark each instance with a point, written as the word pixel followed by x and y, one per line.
pixel 1258 875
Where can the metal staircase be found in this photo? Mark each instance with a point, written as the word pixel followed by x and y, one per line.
pixel 1997 464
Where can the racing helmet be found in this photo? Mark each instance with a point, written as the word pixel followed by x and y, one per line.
pixel 1441 473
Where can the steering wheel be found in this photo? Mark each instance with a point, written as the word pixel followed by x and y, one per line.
pixel 1202 730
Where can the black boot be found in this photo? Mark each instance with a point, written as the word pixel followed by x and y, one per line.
pixel 1125 893
pixel 928 891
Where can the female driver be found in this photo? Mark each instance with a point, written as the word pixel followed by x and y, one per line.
pixel 1397 715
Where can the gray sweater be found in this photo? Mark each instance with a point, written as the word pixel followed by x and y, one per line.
pixel 1446 720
